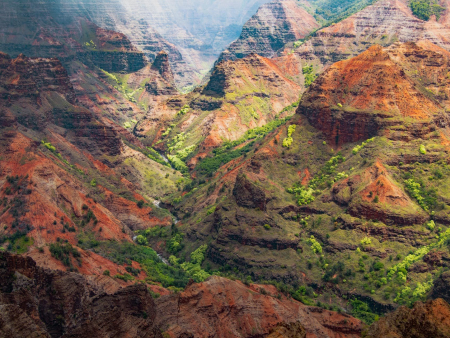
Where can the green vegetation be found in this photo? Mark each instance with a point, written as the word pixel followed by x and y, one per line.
pixel 125 277
pixel 401 268
pixel 141 240
pixel 356 149
pixel 331 11
pixel 326 172
pixel 362 311
pixel 178 164
pixel 124 253
pixel 193 268
pixel 49 146
pixel 287 108
pixel 63 252
pixel 255 133
pixel 174 244
pixel 366 241
pixel 184 110
pixel 310 75
pixel 155 156
pixel 408 296
pixel 304 195
pixel 315 245
pixel 19 242
pixel 287 142
pixel 425 197
pixel 122 87
pixel 422 149
pixel 424 9
pixel 211 210
pixel 210 165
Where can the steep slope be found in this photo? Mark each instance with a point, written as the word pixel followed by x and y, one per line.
pixel 431 319
pixel 348 197
pixel 222 308
pixel 384 23
pixel 270 29
pixel 199 29
pixel 50 29
pixel 354 99
pixel 45 303
pixel 46 31
pixel 240 95
pixel 66 175
pixel 36 302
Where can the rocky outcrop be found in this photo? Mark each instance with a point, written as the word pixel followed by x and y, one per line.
pixel 223 308
pixel 240 95
pixel 441 287
pixel 248 195
pixel 42 303
pixel 430 319
pixel 110 51
pixel 383 23
pixel 162 82
pixel 291 330
pixel 199 31
pixel 47 29
pixel 43 86
pixel 273 26
pixel 356 99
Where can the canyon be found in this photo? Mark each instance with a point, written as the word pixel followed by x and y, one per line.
pixel 159 179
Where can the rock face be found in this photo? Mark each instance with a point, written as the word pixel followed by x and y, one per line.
pixel 248 195
pixel 430 319
pixel 50 147
pixel 271 28
pixel 358 98
pixel 35 82
pixel 163 84
pixel 395 207
pixel 240 95
pixel 441 287
pixel 383 23
pixel 292 330
pixel 54 32
pixel 200 29
pixel 36 302
pixel 219 307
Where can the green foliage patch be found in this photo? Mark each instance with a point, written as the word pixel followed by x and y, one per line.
pixel 287 142
pixel 63 251
pixel 424 9
pixel 310 75
pixel 425 197
pixel 125 253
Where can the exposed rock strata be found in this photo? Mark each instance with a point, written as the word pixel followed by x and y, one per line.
pixel 359 98
pixel 36 302
pixel 430 319
pixel 270 29
pixel 222 308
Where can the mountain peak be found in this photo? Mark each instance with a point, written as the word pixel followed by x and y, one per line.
pixel 355 98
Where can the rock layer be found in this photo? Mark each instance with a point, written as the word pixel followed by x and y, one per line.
pixel 219 307
pixel 270 29
pixel 430 319
pixel 42 303
pixel 358 98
